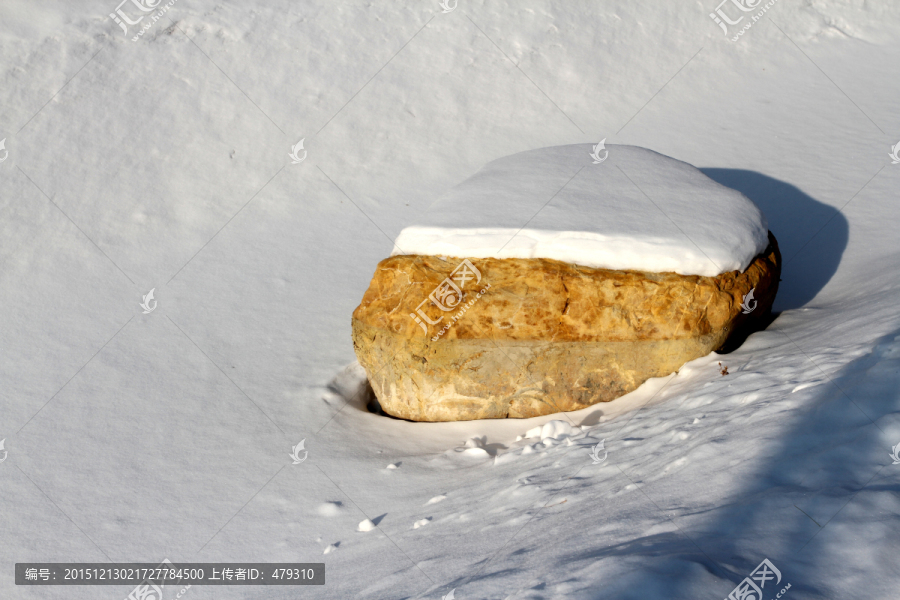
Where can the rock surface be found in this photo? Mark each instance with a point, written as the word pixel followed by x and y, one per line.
pixel 444 340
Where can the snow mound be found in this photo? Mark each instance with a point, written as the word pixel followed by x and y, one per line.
pixel 636 210
pixel 365 525
pixel 474 448
pixel 551 430
pixel 329 509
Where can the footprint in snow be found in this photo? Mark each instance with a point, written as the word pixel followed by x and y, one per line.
pixel 421 522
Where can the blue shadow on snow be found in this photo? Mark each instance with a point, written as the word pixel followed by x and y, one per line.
pixel 795 218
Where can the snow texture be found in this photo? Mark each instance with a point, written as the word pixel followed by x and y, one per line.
pixel 633 209
pixel 163 164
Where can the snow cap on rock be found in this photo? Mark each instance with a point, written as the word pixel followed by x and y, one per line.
pixel 636 211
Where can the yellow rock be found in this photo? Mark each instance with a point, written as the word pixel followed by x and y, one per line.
pixel 528 337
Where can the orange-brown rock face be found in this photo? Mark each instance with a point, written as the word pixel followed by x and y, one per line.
pixel 443 340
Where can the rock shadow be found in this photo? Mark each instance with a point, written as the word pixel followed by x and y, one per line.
pixel 796 219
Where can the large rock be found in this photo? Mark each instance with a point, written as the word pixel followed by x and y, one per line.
pixel 531 337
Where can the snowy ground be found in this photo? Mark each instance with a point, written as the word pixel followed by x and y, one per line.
pixel 163 163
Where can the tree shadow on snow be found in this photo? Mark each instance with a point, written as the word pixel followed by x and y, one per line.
pixel 826 481
pixel 796 219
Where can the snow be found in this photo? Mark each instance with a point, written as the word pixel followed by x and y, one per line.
pixel 551 430
pixel 638 210
pixel 330 509
pixel 163 164
pixel 365 525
